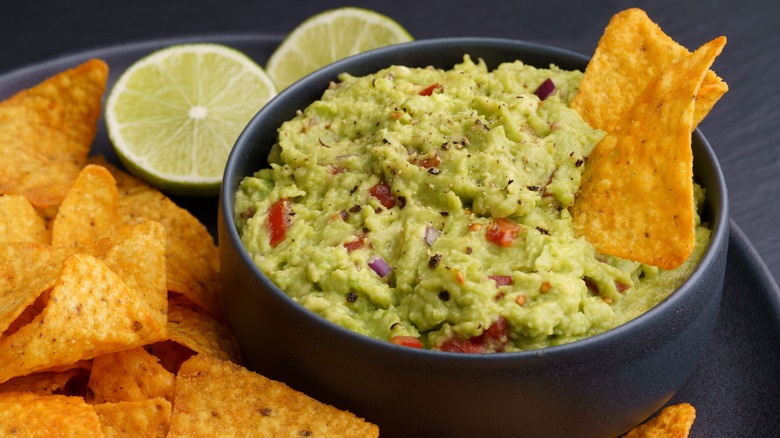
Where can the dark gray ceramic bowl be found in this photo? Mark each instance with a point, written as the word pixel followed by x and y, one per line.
pixel 599 387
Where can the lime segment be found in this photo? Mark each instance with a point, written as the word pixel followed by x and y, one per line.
pixel 328 37
pixel 174 115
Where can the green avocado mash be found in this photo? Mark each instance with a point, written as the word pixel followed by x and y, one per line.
pixel 429 208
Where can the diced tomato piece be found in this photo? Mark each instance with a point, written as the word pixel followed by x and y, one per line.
pixel 279 220
pixel 429 90
pixel 460 345
pixel 498 332
pixel 406 341
pixel 355 244
pixel 429 162
pixel 494 339
pixel 501 280
pixel 382 192
pixel 502 231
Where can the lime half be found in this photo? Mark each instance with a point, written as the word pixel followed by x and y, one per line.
pixel 174 115
pixel 328 37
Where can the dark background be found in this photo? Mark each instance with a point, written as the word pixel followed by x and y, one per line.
pixel 737 386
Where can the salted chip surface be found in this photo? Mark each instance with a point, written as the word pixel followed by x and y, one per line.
pixel 672 422
pixel 29 314
pixel 139 259
pixel 89 211
pixel 147 418
pixel 215 397
pixel 632 52
pixel 47 131
pixel 128 375
pixel 91 311
pixel 20 222
pixel 636 199
pixel 27 270
pixel 33 415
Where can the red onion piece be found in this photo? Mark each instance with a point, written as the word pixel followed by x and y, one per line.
pixel 431 234
pixel 545 90
pixel 380 266
pixel 501 280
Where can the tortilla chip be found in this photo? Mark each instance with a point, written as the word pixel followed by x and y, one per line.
pixel 33 415
pixel 27 270
pixel 89 211
pixel 29 314
pixel 128 375
pixel 180 222
pixel 215 397
pixel 139 260
pixel 672 422
pixel 43 383
pixel 193 328
pixel 636 199
pixel 47 132
pixel 631 53
pixel 148 418
pixel 192 258
pixel 91 312
pixel 190 275
pixel 20 222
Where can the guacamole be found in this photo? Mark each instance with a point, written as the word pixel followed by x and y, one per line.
pixel 429 208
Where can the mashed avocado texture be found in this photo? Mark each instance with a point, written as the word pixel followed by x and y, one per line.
pixel 429 208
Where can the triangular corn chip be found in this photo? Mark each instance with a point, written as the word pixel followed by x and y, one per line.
pixel 91 311
pixel 147 418
pixel 48 131
pixel 139 260
pixel 672 422
pixel 636 199
pixel 128 375
pixel 89 211
pixel 20 222
pixel 26 271
pixel 237 400
pixel 631 53
pixel 33 415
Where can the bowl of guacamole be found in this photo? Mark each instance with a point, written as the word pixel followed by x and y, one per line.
pixel 395 239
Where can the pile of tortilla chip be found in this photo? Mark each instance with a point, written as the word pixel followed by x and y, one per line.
pixel 648 93
pixel 111 313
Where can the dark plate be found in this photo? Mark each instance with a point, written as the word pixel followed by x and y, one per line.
pixel 735 388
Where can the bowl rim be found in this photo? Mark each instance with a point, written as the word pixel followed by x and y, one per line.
pixel 719 224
